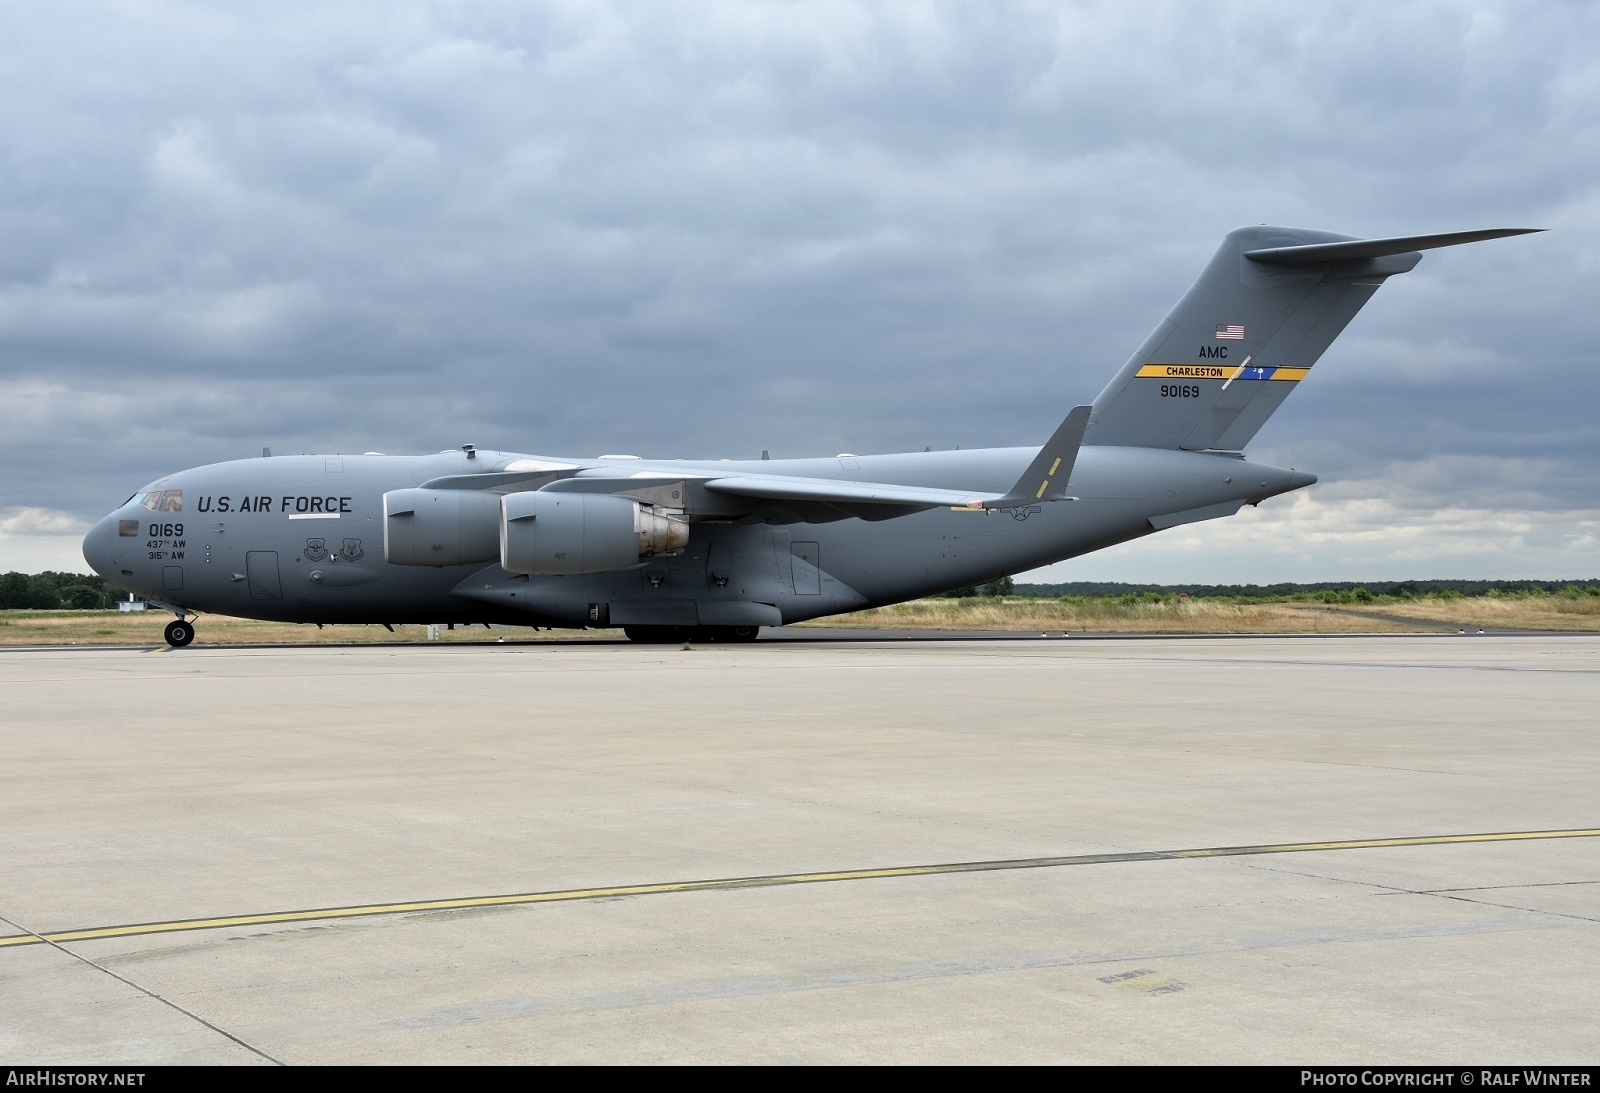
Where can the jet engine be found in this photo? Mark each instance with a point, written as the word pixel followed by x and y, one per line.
pixel 565 533
pixel 440 527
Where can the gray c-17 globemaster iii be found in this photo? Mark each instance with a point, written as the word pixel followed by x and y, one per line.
pixel 717 549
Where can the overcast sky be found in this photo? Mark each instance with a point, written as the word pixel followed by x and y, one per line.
pixel 708 229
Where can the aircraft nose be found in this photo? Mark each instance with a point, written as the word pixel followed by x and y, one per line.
pixel 97 547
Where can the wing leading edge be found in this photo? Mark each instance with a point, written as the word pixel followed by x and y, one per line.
pixel 1045 479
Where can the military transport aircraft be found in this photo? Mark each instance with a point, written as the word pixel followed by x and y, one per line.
pixel 674 549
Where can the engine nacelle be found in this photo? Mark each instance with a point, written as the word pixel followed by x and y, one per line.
pixel 565 533
pixel 440 527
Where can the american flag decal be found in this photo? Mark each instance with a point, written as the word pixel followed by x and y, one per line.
pixel 1230 332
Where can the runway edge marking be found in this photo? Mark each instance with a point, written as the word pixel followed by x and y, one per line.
pixel 772 881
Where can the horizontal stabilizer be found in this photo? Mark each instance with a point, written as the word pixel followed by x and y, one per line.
pixel 1315 254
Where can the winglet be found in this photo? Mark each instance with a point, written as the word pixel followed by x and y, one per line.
pixel 1047 476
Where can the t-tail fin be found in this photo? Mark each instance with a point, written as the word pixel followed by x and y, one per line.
pixel 1252 326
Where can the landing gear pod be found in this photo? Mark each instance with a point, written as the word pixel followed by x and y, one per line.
pixel 440 527
pixel 566 533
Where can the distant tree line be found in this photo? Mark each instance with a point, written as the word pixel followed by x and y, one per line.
pixel 51 591
pixel 1326 591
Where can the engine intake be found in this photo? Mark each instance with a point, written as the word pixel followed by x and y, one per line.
pixel 440 527
pixel 567 533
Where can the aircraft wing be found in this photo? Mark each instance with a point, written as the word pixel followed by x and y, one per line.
pixel 758 486
pixel 831 491
pixel 1045 479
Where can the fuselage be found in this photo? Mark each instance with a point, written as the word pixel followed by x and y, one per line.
pixel 301 538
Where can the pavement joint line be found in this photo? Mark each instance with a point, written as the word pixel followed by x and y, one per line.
pixel 141 989
pixel 60 938
pixel 1509 906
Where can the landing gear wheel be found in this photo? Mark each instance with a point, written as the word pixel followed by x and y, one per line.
pixel 652 635
pixel 670 635
pixel 180 633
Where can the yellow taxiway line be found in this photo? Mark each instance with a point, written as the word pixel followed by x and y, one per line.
pixel 729 883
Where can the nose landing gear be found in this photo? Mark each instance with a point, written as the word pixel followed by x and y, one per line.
pixel 180 632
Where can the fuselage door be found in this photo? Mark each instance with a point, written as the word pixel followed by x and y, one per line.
pixel 719 565
pixel 807 575
pixel 261 567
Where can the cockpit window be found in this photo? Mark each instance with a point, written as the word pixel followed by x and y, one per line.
pixel 163 501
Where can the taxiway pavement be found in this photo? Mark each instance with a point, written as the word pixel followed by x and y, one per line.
pixel 477 853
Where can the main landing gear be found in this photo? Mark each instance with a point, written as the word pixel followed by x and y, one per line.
pixel 667 635
pixel 180 632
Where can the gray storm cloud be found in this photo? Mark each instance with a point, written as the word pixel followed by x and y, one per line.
pixel 711 229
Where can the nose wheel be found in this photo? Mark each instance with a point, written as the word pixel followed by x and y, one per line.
pixel 180 632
